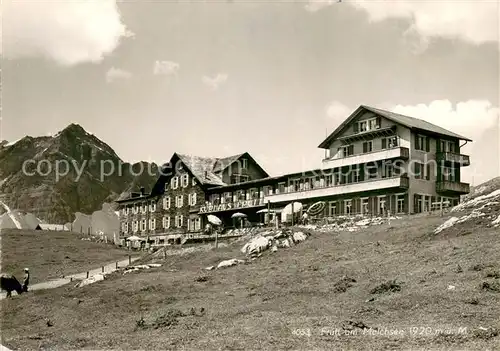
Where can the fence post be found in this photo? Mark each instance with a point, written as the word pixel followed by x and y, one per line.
pixel 87 274
pixel 129 259
pixel 102 269
pixel 116 266
pixel 165 253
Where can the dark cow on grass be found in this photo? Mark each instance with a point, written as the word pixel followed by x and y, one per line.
pixel 9 283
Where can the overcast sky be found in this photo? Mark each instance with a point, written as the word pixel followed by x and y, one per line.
pixel 270 78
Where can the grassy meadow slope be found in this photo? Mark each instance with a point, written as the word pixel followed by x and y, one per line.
pixel 306 297
pixel 50 255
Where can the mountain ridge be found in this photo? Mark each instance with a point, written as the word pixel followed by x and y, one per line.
pixel 73 171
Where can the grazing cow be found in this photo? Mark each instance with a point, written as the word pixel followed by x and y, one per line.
pixel 9 283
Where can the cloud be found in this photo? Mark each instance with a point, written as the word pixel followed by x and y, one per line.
pixel 475 119
pixel 166 68
pixel 338 111
pixel 316 5
pixel 215 82
pixel 117 73
pixel 473 21
pixel 68 32
pixel 469 118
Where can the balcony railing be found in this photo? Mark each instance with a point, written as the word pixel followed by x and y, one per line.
pixel 386 154
pixel 453 157
pixel 448 186
pixel 234 205
pixel 367 185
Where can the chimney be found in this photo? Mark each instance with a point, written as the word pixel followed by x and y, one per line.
pixel 143 191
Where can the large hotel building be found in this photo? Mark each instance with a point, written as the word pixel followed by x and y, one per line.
pixel 376 161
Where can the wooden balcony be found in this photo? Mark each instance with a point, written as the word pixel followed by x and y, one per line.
pixel 452 187
pixel 400 182
pixel 379 155
pixel 452 157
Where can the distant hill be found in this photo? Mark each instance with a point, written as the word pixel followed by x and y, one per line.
pixel 87 161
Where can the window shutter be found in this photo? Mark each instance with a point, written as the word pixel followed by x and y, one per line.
pixel 417 146
pixel 355 127
pixel 379 122
pixel 365 147
pixel 428 144
pixel 428 175
pixel 351 149
pixel 384 143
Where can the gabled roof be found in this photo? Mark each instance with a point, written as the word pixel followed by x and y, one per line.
pixel 222 163
pixel 407 121
pixel 202 168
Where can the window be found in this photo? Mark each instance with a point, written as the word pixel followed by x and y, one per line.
pixel 268 190
pixel 136 208
pixel 179 221
pixel 347 207
pixel 192 199
pixel 332 208
pixel 152 206
pixel 135 226
pixel 346 151
pixel 381 205
pixel 400 199
pixel 336 179
pixel 367 146
pixel 356 175
pixel 366 125
pixel 152 224
pixel 428 171
pixel 193 181
pixel 372 171
pixel 364 205
pixel 166 222
pixel 175 182
pixel 244 163
pixel 387 169
pixel 281 188
pixel 197 224
pixel 185 180
pixel 422 143
pixel 389 142
pixel 166 202
pixel 448 174
pixel 144 207
pixel 329 180
pixel 125 228
pixel 166 187
pixel 179 201
pixel 143 225
pixel 418 169
pixel 363 126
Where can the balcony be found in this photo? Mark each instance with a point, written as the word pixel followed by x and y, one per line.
pixel 210 207
pixel 451 157
pixel 401 182
pixel 386 154
pixel 452 187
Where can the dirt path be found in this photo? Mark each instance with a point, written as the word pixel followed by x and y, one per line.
pixel 108 268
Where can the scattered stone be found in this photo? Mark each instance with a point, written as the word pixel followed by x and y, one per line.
pixel 343 284
pixel 201 279
pixel 390 286
pixel 493 274
pixel 493 287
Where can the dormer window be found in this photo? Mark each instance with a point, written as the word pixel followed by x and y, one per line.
pixel 185 180
pixel 175 182
pixel 244 163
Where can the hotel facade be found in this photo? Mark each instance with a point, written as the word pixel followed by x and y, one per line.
pixel 376 162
